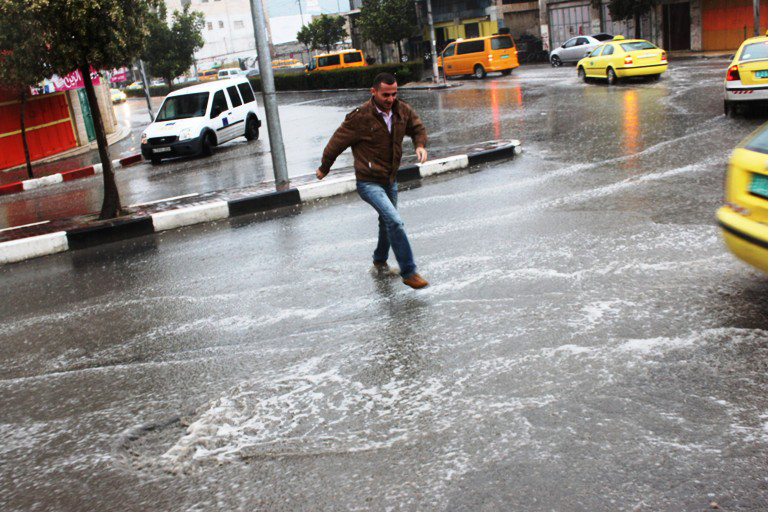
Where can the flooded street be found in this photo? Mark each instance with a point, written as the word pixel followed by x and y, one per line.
pixel 586 343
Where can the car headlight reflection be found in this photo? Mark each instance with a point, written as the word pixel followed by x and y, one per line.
pixel 143 138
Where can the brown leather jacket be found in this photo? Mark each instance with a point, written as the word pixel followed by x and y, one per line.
pixel 377 153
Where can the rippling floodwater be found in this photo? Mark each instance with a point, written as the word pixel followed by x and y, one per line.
pixel 586 343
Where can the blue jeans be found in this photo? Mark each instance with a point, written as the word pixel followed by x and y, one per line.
pixel 383 198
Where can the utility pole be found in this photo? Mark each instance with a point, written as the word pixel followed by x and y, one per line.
pixel 269 96
pixel 269 32
pixel 433 44
pixel 756 3
pixel 146 91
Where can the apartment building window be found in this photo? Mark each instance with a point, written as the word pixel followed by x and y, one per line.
pixel 210 26
pixel 239 24
pixel 221 24
pixel 203 1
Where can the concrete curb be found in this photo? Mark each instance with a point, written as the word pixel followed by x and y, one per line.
pixel 139 225
pixel 83 172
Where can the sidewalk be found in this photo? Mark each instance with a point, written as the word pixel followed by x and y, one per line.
pixel 72 159
pixel 50 237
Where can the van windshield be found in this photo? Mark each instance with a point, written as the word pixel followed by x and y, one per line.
pixel 183 106
pixel 501 43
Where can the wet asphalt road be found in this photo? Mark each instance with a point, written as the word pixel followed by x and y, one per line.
pixel 586 343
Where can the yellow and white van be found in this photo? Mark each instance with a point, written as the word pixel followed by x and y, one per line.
pixel 340 60
pixel 479 56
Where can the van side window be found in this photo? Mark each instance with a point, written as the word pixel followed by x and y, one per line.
pixel 329 60
pixel 449 51
pixel 471 47
pixel 219 103
pixel 246 92
pixel 234 96
pixel 353 57
pixel 501 43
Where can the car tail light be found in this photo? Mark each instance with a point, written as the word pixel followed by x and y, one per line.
pixel 733 73
pixel 628 59
pixel 490 57
pixel 663 55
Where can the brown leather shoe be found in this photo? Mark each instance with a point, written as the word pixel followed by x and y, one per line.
pixel 415 281
pixel 381 266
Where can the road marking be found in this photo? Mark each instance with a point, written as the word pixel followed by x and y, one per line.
pixel 161 200
pixel 25 225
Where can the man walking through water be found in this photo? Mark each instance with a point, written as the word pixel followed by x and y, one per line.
pixel 375 131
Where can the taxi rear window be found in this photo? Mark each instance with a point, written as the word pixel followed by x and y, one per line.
pixel 637 45
pixel 754 51
pixel 501 43
pixel 759 142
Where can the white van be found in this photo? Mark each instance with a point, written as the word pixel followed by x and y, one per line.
pixel 229 73
pixel 195 119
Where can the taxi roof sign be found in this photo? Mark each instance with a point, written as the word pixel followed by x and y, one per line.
pixel 618 38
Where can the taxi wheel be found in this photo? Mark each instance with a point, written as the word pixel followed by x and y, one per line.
pixel 729 109
pixel 611 75
pixel 556 62
pixel 479 71
pixel 582 74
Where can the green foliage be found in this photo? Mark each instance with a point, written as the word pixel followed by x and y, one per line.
pixel 631 10
pixel 350 78
pixel 387 21
pixel 322 33
pixel 170 50
pixel 105 34
pixel 23 43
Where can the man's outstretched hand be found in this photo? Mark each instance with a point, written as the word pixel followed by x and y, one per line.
pixel 421 155
pixel 320 175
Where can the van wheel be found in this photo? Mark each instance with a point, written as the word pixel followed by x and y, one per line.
pixel 582 74
pixel 611 75
pixel 479 71
pixel 207 146
pixel 506 72
pixel 251 129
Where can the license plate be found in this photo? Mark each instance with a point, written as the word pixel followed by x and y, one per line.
pixel 759 185
pixel 161 150
pixel 762 74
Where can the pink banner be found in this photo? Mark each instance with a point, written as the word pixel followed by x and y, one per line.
pixel 119 75
pixel 74 80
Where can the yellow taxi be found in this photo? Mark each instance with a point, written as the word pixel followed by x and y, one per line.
pixel 623 58
pixel 117 96
pixel 746 79
pixel 743 219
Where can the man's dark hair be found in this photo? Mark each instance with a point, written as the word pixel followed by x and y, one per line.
pixel 387 78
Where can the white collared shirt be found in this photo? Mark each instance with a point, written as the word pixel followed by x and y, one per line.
pixel 387 117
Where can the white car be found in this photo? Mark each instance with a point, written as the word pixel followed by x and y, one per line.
pixel 196 119
pixel 576 48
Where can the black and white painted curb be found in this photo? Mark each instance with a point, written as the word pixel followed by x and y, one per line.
pixel 129 227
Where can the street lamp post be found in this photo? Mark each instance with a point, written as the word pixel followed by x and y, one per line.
pixel 432 43
pixel 756 4
pixel 269 96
